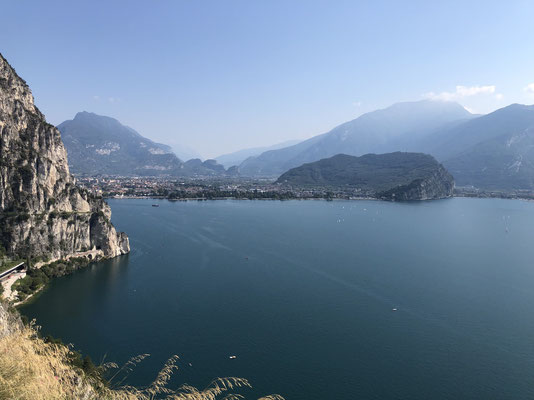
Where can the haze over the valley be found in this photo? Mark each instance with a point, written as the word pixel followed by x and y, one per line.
pixel 211 78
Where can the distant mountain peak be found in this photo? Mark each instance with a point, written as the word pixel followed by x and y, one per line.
pixel 417 109
pixel 393 128
pixel 98 144
pixel 428 103
pixel 92 115
pixel 516 106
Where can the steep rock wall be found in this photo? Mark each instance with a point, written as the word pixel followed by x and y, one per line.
pixel 438 185
pixel 42 210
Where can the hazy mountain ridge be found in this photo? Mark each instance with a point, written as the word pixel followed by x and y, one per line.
pixel 390 176
pixel 495 151
pixel 237 157
pixel 489 152
pixel 209 167
pixel 452 141
pixel 274 162
pixel 184 152
pixel 380 131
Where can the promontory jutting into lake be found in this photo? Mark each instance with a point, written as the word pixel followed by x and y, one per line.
pixel 282 228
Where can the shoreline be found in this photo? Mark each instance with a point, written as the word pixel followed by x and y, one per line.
pixel 503 196
pixel 10 295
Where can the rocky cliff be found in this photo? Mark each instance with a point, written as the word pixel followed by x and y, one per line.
pixel 438 184
pixel 42 210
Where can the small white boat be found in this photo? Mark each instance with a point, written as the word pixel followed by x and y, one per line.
pixel 393 309
pixel 232 357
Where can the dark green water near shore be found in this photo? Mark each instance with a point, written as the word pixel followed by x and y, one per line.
pixel 303 292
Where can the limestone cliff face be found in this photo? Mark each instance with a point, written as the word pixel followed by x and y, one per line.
pixel 42 211
pixel 438 185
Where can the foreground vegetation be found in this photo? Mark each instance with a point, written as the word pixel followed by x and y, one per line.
pixel 33 368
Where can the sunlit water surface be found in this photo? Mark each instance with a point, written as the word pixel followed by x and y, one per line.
pixel 303 292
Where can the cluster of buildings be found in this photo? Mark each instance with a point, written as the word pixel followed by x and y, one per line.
pixel 184 188
pixel 118 186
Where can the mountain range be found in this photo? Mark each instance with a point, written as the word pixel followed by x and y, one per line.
pixel 396 128
pixel 493 151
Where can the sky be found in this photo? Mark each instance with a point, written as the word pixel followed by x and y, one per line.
pixel 223 75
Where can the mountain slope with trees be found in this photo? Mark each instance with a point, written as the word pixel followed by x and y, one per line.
pixel 390 176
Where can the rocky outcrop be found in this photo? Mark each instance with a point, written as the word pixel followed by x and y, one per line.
pixel 438 185
pixel 42 210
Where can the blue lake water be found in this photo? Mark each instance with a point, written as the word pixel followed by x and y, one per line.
pixel 303 292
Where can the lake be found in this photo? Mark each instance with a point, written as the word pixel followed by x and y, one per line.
pixel 304 292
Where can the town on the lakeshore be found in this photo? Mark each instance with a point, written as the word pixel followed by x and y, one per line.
pixel 199 188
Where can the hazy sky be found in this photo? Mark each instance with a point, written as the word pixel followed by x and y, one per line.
pixel 223 75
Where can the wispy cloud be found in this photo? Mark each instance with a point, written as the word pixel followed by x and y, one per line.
pixel 529 88
pixel 464 91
